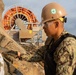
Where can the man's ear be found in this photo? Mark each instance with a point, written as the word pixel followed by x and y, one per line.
pixel 56 24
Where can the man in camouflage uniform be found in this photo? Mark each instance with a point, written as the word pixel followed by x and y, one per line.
pixel 63 60
pixel 64 57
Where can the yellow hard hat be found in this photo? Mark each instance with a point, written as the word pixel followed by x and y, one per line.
pixel 52 11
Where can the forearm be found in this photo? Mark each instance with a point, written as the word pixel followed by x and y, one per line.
pixel 31 58
pixel 36 57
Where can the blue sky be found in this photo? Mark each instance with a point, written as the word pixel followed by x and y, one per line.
pixel 36 6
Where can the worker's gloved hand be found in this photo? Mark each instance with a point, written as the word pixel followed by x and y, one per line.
pixel 10 55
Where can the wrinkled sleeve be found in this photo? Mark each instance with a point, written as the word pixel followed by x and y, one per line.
pixel 36 57
pixel 66 59
pixel 39 54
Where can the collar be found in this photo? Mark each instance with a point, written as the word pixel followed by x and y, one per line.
pixel 63 33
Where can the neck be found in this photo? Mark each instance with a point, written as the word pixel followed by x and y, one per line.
pixel 58 34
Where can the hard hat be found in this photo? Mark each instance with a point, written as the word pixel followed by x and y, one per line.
pixel 52 11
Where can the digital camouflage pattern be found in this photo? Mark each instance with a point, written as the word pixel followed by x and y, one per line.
pixel 64 56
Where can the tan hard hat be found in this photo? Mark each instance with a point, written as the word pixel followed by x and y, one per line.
pixel 52 11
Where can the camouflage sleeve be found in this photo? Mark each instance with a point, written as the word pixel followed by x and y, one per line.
pixel 36 57
pixel 66 58
pixel 39 54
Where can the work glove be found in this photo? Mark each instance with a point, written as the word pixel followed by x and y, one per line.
pixel 10 55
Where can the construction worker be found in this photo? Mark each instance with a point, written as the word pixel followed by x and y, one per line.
pixel 59 55
pixel 60 60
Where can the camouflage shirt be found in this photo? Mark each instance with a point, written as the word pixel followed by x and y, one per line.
pixel 64 56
